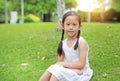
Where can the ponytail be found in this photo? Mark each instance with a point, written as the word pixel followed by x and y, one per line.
pixel 77 42
pixel 59 50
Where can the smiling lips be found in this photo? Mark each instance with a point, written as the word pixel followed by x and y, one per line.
pixel 70 31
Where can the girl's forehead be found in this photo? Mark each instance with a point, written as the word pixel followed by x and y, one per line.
pixel 72 17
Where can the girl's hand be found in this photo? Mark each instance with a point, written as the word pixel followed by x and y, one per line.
pixel 79 72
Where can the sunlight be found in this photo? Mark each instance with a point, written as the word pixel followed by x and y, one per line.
pixel 87 5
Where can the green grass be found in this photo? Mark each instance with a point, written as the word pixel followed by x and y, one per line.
pixel 26 50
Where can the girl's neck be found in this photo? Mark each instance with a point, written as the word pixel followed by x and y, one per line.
pixel 72 38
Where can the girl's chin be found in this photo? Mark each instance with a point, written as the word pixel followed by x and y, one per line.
pixel 71 35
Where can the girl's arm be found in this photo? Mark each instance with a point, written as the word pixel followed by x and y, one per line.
pixel 61 59
pixel 83 47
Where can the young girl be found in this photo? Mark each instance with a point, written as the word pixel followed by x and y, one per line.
pixel 73 64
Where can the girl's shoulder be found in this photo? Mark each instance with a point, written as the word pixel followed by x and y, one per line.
pixel 82 41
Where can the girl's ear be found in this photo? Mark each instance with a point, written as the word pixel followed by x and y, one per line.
pixel 80 26
pixel 62 26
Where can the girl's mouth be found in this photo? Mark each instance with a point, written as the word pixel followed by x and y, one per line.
pixel 70 31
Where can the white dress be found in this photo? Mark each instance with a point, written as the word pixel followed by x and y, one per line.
pixel 65 74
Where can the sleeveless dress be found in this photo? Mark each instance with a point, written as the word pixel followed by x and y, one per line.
pixel 66 74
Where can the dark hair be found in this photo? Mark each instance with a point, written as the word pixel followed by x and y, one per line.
pixel 70 13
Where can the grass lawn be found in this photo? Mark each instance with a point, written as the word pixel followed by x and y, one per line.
pixel 26 50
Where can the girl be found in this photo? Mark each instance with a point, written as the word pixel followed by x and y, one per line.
pixel 73 64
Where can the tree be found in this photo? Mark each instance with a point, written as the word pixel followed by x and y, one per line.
pixel 14 5
pixel 6 12
pixel 116 5
pixel 70 4
pixel 60 12
pixel 103 4
pixel 1 7
pixel 3 11
pixel 43 8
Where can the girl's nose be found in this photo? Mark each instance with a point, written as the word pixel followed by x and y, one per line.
pixel 71 27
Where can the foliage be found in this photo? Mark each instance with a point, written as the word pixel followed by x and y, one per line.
pixel 116 5
pixel 70 4
pixel 1 7
pixel 83 15
pixel 110 15
pixel 32 18
pixel 1 11
pixel 40 6
pixel 26 50
pixel 43 8
pixel 14 5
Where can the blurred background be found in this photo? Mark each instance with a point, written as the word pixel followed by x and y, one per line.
pixel 26 11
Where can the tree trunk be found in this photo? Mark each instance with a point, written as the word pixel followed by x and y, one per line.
pixel 22 11
pixel 60 12
pixel 6 12
pixel 102 12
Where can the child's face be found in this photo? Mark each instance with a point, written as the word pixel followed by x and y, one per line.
pixel 71 26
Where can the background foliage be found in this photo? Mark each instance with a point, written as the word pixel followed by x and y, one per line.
pixel 46 10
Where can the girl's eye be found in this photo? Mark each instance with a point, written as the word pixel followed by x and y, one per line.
pixel 74 24
pixel 68 24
